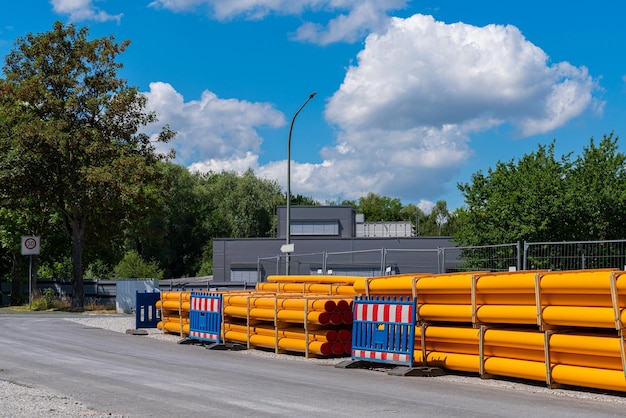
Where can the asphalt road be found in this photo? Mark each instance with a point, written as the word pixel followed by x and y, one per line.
pixel 141 377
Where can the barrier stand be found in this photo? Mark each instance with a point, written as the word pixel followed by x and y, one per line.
pixel 481 353
pixel 546 348
pixel 384 330
pixel 146 313
pixel 276 323
pixel 247 322
pixel 423 343
pixel 414 289
pixel 474 308
pixel 306 327
pixel 538 302
pixel 618 320
pixel 205 317
pixel 180 313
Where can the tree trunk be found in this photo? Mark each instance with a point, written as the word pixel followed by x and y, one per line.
pixel 33 273
pixel 77 233
pixel 15 291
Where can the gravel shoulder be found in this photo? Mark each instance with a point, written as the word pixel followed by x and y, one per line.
pixel 17 401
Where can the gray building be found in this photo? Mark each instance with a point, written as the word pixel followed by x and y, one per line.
pixel 325 242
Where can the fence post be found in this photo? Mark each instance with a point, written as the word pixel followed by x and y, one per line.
pixel 519 255
pixel 383 260
pixel 526 245
pixel 441 268
pixel 324 261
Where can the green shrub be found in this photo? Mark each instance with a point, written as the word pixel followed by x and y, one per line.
pixel 132 266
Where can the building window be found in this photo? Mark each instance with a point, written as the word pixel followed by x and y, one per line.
pixel 248 275
pixel 315 228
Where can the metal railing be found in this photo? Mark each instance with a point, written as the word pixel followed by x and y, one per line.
pixel 572 255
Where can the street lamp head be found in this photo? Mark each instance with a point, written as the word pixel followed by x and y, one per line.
pixel 312 95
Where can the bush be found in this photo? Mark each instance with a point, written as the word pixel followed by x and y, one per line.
pixel 132 266
pixel 43 301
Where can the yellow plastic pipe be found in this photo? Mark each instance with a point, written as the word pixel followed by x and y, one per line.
pixel 173 326
pixel 583 360
pixel 449 334
pixel 401 284
pixel 445 283
pixel 295 303
pixel 589 377
pixel 314 279
pixel 451 361
pixel 528 340
pixel 506 282
pixel 455 348
pixel 287 315
pixel 328 335
pixel 577 281
pixel 173 305
pixel 575 299
pixel 532 370
pixel 579 316
pixel 587 345
pixel 176 295
pixel 445 313
pixel 306 288
pixel 287 344
pixel 507 314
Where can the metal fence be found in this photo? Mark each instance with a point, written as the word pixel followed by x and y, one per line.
pixel 578 255
pixel 572 255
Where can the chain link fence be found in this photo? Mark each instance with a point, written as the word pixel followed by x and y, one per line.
pixel 577 255
pixel 573 255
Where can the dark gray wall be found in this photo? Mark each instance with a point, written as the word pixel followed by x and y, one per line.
pixel 420 255
pixel 344 214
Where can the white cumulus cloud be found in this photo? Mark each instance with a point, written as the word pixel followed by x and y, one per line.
pixel 404 114
pixel 211 129
pixel 81 10
pixel 421 88
pixel 354 18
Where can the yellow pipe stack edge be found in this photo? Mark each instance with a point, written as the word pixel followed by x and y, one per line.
pixel 305 322
pixel 564 328
pixel 559 327
pixel 174 306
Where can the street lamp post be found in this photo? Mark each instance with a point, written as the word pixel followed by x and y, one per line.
pixel 288 234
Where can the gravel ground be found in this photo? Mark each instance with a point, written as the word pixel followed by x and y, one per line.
pixel 18 401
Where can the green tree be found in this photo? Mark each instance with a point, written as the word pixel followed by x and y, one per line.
pixel 69 135
pixel 439 222
pixel 245 204
pixel 542 198
pixel 377 208
pixel 177 233
pixel 516 201
pixel 597 192
pixel 132 266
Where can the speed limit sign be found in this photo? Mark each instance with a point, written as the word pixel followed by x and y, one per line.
pixel 31 245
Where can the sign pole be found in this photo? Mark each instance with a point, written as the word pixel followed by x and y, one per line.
pixel 30 246
pixel 30 282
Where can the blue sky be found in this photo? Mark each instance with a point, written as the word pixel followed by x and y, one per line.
pixel 412 96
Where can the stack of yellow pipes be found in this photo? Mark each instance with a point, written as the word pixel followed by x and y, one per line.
pixel 306 314
pixel 558 327
pixel 174 306
pixel 319 285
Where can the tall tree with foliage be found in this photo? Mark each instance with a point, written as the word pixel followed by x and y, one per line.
pixel 244 203
pixel 178 232
pixel 597 191
pixel 377 208
pixel 69 134
pixel 541 198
